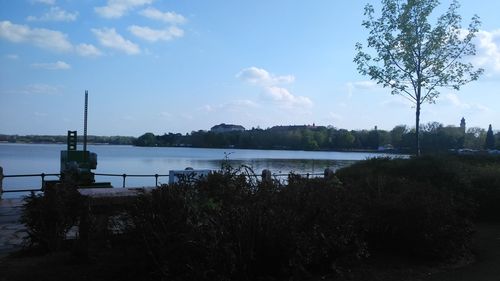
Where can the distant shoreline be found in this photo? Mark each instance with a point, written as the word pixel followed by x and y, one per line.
pixel 270 149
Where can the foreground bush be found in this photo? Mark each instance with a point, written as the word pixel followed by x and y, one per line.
pixel 225 228
pixel 422 206
pixel 483 175
pixel 233 226
pixel 49 216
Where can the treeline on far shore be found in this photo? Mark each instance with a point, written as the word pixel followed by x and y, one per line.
pixel 115 140
pixel 435 137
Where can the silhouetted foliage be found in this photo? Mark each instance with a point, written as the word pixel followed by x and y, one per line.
pixel 425 206
pixel 49 216
pixel 118 140
pixel 434 138
pixel 232 225
pixel 489 143
pixel 231 228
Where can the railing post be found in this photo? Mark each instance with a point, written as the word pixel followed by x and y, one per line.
pixel 156 180
pixel 329 174
pixel 1 182
pixel 124 176
pixel 267 176
pixel 43 179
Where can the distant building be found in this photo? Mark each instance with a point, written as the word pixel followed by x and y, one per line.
pixel 225 128
pixel 295 127
pixel 462 125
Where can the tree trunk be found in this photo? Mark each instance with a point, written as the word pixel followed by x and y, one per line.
pixel 417 129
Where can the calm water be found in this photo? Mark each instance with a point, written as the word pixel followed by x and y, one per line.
pixel 44 158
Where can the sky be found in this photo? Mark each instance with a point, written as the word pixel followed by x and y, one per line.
pixel 187 65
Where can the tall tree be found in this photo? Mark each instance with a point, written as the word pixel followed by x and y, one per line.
pixel 489 143
pixel 414 57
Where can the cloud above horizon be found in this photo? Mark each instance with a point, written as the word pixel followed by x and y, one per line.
pixel 118 8
pixel 58 65
pixel 154 35
pixel 40 37
pixel 42 89
pixel 167 17
pixel 363 85
pixel 108 37
pixel 46 2
pixel 55 14
pixel 47 39
pixel 284 98
pixel 259 76
pixel 455 101
pixel 488 51
pixel 269 83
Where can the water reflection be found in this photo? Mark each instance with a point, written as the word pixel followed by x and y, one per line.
pixel 285 166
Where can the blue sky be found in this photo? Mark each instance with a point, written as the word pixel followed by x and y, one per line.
pixel 183 65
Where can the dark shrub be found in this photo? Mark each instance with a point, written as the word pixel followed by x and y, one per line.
pixel 416 206
pixel 225 228
pixel 323 221
pixel 485 190
pixel 49 216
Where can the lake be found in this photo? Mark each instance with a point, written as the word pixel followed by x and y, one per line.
pixel 116 159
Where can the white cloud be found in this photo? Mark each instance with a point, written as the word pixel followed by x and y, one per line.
pixel 397 101
pixel 332 116
pixel 55 14
pixel 241 103
pixel 488 50
pixel 168 17
pixel 238 105
pixel 364 85
pixel 285 99
pixel 154 35
pixel 208 108
pixel 12 56
pixel 46 2
pixel 165 114
pixel 454 100
pixel 235 105
pixel 271 91
pixel 118 8
pixel 260 76
pixel 42 89
pixel 40 37
pixel 108 37
pixel 58 65
pixel 44 38
pixel 87 50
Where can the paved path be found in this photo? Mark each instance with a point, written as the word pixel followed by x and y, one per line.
pixel 12 231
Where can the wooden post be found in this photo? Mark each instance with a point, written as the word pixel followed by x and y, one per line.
pixel 1 182
pixel 267 176
pixel 329 174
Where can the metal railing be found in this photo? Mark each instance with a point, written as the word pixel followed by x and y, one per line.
pixel 123 176
pixel 42 177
